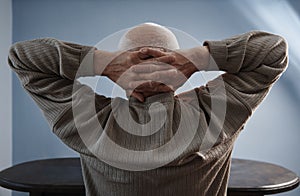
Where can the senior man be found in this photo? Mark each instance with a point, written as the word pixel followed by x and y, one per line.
pixel 150 67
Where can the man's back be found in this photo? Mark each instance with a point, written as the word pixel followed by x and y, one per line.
pixel 125 152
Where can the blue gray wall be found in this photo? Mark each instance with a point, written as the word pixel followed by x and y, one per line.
pixel 271 135
pixel 5 89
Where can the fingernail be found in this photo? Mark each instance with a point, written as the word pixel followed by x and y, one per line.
pixel 144 50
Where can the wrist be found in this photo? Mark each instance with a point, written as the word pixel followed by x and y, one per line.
pixel 101 62
pixel 199 56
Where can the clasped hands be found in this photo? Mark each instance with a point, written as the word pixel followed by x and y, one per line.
pixel 146 71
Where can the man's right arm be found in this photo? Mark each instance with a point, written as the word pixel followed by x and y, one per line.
pixel 252 62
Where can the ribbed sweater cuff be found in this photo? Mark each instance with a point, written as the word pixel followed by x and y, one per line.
pixel 226 55
pixel 218 54
pixel 87 62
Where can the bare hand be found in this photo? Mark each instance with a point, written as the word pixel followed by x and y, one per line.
pixel 173 75
pixel 119 69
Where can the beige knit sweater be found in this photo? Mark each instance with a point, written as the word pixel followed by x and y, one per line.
pixel 214 114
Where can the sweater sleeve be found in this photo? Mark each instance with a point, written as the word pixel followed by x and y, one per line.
pixel 48 69
pixel 252 62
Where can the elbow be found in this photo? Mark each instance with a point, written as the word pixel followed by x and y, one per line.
pixel 14 50
pixel 14 55
pixel 278 54
pixel 282 50
pixel 283 44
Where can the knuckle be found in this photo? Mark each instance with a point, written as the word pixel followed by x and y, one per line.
pixel 129 57
pixel 172 58
pixel 131 85
pixel 134 68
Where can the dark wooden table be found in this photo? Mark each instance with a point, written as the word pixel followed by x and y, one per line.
pixel 259 178
pixel 62 177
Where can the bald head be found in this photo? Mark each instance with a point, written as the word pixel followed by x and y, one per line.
pixel 148 34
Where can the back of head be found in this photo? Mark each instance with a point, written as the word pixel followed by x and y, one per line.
pixel 148 34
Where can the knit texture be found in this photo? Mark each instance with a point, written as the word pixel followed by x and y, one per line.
pixel 48 70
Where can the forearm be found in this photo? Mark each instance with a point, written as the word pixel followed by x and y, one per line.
pixel 252 61
pixel 247 52
pixel 47 69
pixel 244 52
pixel 101 61
pixel 198 56
pixel 51 57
